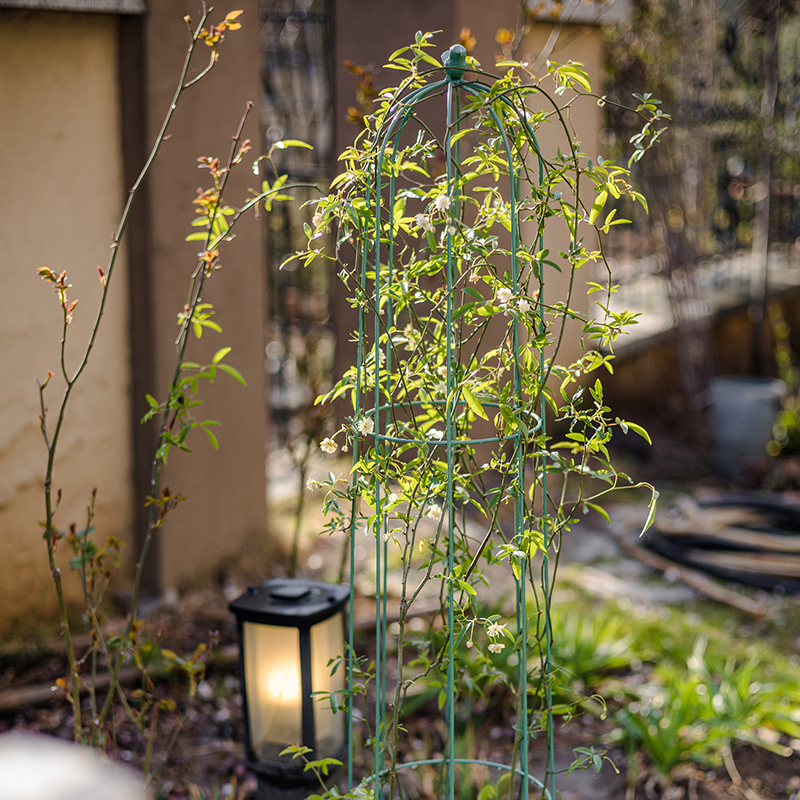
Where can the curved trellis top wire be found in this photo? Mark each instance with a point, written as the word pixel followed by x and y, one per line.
pixel 432 417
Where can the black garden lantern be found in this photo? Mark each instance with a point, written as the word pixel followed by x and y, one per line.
pixel 289 629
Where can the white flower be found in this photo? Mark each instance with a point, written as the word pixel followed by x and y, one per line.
pixel 524 306
pixel 504 295
pixel 451 230
pixel 311 484
pixel 496 647
pixel 387 536
pixel 328 446
pixel 442 202
pixel 365 426
pixel 495 630
pixel 436 434
pixel 470 644
pixel 474 276
pixel 423 222
pixel 434 512
pixel 317 220
pixel 442 370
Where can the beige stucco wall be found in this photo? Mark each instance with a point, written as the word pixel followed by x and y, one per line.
pixel 62 186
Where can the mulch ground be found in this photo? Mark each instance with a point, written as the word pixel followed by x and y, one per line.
pixel 208 753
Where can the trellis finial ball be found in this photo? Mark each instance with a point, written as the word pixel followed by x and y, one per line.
pixel 455 61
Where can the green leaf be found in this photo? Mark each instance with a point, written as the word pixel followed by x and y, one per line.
pixel 601 511
pixel 640 198
pixel 352 214
pixel 597 206
pixel 429 59
pixel 474 293
pixel 473 403
pixel 234 373
pixel 284 143
pixel 295 750
pixel 571 71
pixel 153 402
pixel 460 135
pixel 640 430
pixel 569 217
pixel 220 225
pixel 397 53
pixel 651 511
pixel 290 258
pixel 220 354
pixel 211 437
pixel 459 312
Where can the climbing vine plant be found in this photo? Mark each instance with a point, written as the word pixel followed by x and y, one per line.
pixel 475 445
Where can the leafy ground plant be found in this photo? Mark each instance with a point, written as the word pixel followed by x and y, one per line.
pixel 589 646
pixel 695 711
pixel 746 705
pixel 668 722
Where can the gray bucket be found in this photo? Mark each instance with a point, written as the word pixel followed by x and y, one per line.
pixel 743 411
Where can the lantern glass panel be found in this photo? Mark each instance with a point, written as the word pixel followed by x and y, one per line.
pixel 274 690
pixel 327 641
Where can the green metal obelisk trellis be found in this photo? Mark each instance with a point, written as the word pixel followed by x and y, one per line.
pixel 406 417
pixel 457 360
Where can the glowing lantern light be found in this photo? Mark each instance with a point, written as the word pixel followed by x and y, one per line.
pixel 289 630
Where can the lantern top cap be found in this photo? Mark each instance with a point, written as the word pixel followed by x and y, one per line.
pixel 292 602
